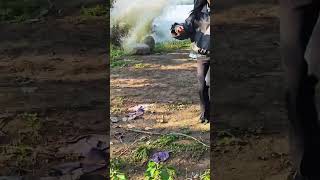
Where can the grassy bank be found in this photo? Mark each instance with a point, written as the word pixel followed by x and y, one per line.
pixel 120 58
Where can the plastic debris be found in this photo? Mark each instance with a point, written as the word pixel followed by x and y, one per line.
pixel 160 156
pixel 138 113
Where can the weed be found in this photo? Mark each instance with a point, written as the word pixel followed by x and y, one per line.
pixel 172 46
pixel 141 154
pixel 185 130
pixel 117 54
pixel 228 141
pixel 34 124
pixel 98 10
pixel 205 175
pixel 115 172
pixel 141 65
pixel 159 171
pixel 117 105
pixel 17 11
pixel 165 141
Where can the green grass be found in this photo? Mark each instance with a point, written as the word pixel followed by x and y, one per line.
pixel 205 175
pixel 115 169
pixel 172 46
pixel 166 143
pixel 116 56
pixel 18 11
pixel 141 66
pixel 98 10
pixel 142 153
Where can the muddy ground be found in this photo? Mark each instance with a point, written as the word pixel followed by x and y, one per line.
pixel 167 84
pixel 53 88
pixel 250 120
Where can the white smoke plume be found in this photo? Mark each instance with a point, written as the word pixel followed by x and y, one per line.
pixel 138 14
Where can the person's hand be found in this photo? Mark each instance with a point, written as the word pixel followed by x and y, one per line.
pixel 179 30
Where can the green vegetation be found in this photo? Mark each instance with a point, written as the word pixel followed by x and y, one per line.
pixel 98 10
pixel 115 172
pixel 205 175
pixel 158 171
pixel 141 66
pixel 17 10
pixel 117 105
pixel 172 46
pixel 116 56
pixel 142 154
pixel 33 122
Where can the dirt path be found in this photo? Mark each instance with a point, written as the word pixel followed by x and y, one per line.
pixel 53 88
pixel 249 94
pixel 167 83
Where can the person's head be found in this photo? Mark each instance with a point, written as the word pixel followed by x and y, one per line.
pixel 198 5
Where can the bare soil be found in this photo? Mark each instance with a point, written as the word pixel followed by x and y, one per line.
pixel 57 69
pixel 250 126
pixel 167 83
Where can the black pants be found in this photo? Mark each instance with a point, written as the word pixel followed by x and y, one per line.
pixel 202 69
pixel 297 29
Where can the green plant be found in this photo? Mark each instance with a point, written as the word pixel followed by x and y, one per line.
pixel 141 65
pixel 205 175
pixel 157 171
pixel 98 10
pixel 142 154
pixel 33 123
pixel 172 46
pixel 165 140
pixel 116 54
pixel 17 11
pixel 115 172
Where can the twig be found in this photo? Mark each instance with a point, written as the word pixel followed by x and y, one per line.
pixel 172 133
pixel 126 150
pixel 145 132
pixel 185 135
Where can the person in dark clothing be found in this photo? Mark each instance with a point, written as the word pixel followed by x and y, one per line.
pixel 300 42
pixel 197 28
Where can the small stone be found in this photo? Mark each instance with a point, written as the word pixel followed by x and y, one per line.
pixel 124 119
pixel 114 119
pixel 130 126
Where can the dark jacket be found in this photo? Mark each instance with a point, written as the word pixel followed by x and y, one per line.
pixel 299 3
pixel 197 28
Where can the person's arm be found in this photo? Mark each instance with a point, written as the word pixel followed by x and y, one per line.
pixel 184 30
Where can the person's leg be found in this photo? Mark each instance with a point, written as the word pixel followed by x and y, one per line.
pixel 296 25
pixel 202 69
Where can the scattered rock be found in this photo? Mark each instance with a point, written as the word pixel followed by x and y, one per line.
pixel 130 126
pixel 114 119
pixel 148 128
pixel 141 49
